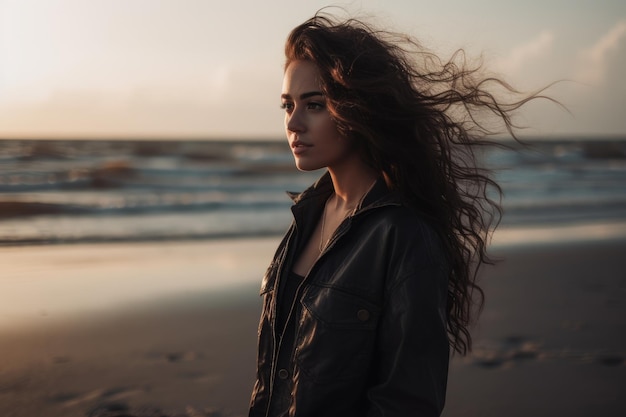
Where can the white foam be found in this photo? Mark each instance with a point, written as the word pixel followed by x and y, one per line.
pixel 554 234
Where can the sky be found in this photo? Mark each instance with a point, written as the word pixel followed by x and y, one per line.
pixel 213 69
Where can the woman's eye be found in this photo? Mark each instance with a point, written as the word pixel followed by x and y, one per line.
pixel 288 106
pixel 315 106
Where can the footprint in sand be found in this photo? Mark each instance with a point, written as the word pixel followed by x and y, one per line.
pixel 507 352
pixel 112 394
pixel 124 410
pixel 200 377
pixel 515 349
pixel 175 357
pixel 182 356
pixel 14 385
pixel 59 360
pixel 610 360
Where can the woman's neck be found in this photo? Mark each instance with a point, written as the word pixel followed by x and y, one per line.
pixel 351 184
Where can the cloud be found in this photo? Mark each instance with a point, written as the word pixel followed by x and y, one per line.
pixel 594 61
pixel 523 54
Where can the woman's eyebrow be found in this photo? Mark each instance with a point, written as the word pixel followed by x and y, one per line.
pixel 303 96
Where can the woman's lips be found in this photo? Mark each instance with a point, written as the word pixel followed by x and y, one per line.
pixel 300 147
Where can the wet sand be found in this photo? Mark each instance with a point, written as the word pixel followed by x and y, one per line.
pixel 552 338
pixel 172 326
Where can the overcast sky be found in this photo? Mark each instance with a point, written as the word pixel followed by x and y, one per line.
pixel 213 69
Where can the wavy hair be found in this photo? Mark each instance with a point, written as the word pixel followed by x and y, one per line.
pixel 421 122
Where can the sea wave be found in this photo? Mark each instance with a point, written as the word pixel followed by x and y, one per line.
pixel 80 191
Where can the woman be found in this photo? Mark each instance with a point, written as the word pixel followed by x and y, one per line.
pixel 375 279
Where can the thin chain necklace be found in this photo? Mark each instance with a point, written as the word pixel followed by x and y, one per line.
pixel 351 211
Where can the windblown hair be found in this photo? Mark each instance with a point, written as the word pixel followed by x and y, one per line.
pixel 421 122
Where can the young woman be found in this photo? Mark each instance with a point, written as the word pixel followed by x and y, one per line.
pixel 375 280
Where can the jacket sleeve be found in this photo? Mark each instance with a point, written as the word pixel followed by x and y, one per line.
pixel 412 355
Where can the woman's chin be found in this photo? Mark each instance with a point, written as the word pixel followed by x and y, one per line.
pixel 306 165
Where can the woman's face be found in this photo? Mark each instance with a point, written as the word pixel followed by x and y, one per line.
pixel 312 134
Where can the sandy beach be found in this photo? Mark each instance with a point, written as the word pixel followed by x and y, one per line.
pixel 171 326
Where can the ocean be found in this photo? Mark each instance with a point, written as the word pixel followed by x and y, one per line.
pixel 78 191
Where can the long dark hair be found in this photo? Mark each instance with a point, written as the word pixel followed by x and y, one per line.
pixel 421 122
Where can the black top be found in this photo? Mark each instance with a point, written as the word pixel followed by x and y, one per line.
pixel 287 297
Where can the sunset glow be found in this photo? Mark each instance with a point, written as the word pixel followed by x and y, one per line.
pixel 164 68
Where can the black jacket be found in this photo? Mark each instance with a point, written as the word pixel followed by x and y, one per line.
pixel 367 332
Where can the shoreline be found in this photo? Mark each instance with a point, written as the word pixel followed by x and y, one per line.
pixel 504 235
pixel 115 275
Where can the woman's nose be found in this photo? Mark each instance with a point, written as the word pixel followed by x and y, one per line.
pixel 294 122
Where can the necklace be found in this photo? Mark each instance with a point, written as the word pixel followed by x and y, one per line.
pixel 348 213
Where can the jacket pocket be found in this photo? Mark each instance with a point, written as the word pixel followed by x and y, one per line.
pixel 335 339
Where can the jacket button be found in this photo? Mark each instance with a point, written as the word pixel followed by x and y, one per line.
pixel 363 315
pixel 283 374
